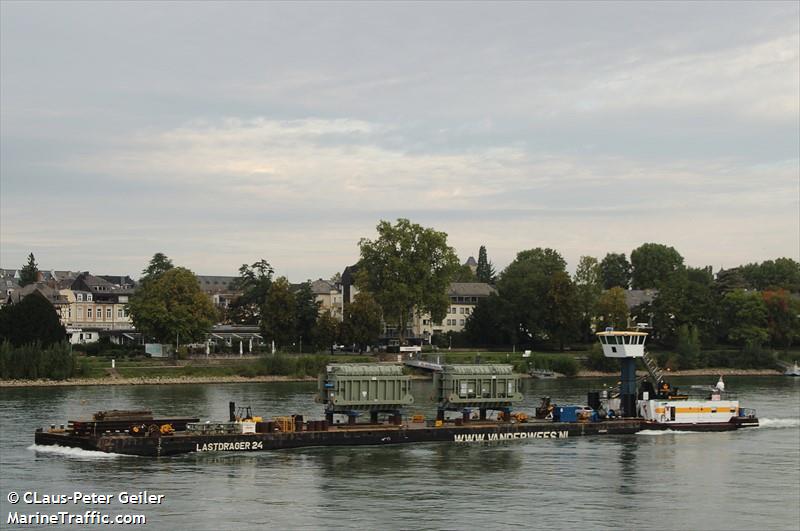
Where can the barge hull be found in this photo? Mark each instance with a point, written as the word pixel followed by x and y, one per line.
pixel 183 443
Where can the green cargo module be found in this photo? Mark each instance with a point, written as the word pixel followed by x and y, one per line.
pixel 365 387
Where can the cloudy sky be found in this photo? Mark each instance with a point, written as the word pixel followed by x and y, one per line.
pixel 224 133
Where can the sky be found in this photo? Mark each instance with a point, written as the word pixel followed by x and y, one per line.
pixel 224 133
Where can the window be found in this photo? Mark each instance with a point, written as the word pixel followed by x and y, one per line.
pixel 461 322
pixel 80 297
pixel 466 311
pixel 88 336
pixel 108 313
pixel 80 312
pixel 461 311
pixel 88 313
pixel 88 296
pixel 119 313
pixel 69 313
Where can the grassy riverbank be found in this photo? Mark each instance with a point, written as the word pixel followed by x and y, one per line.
pixel 295 368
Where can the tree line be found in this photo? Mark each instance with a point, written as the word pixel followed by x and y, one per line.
pixel 539 303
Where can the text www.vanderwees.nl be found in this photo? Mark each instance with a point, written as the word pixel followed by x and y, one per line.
pixel 490 437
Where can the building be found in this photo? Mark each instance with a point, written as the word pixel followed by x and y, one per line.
pixel 221 289
pixel 96 305
pixel 329 297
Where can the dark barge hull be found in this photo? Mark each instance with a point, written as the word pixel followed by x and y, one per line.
pixel 183 442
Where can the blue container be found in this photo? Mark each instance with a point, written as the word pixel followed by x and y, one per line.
pixel 566 414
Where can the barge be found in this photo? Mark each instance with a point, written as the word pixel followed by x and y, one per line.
pixel 480 396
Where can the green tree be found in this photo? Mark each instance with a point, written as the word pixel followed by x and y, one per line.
pixel 29 272
pixel 652 263
pixel 253 282
pixel 615 271
pixel 33 319
pixel 362 321
pixel 407 268
pixel 688 347
pixel 326 332
pixel 562 309
pixel 464 274
pixel 744 318
pixel 170 306
pixel 782 273
pixel 490 323
pixel 485 270
pixel 612 309
pixel 686 297
pixel 729 280
pixel 526 284
pixel 588 287
pixel 279 314
pixel 306 312
pixel 158 265
pixel 783 323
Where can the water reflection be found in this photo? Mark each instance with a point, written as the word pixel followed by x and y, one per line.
pixel 628 471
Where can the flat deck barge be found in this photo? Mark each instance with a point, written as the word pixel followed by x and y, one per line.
pixel 176 443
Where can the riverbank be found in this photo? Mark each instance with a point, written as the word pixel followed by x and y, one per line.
pixel 721 371
pixel 177 380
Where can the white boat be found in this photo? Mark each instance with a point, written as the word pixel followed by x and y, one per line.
pixel 792 371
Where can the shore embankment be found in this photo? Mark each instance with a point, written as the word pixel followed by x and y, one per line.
pixel 177 380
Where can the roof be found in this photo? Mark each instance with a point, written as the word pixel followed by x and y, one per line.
pixel 470 289
pixel 215 283
pixel 364 369
pixel 322 287
pixel 88 282
pixel 478 369
pixel 621 333
pixel 471 262
pixel 48 292
pixel 119 280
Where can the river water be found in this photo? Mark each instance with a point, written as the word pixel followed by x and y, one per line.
pixel 739 480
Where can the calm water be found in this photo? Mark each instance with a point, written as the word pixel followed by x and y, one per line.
pixel 741 480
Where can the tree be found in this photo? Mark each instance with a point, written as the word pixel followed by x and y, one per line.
pixel 29 272
pixel 490 323
pixel 33 319
pixel 562 309
pixel 485 270
pixel 158 265
pixel 615 271
pixel 782 317
pixel 362 321
pixel 254 282
pixel 279 314
pixel 525 284
pixel 306 309
pixel 464 274
pixel 588 287
pixel 782 273
pixel 729 280
pixel 326 332
pixel 744 318
pixel 408 268
pixel 652 263
pixel 612 309
pixel 170 306
pixel 686 297
pixel 688 347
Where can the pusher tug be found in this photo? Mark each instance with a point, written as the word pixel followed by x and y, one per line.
pixel 474 405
